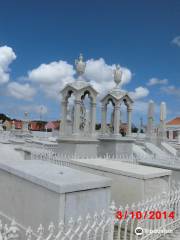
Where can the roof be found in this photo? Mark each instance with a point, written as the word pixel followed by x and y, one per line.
pixel 50 125
pixel 79 85
pixel 117 94
pixel 175 121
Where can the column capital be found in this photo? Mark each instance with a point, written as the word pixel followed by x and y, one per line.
pixel 129 109
pixel 117 107
pixel 93 104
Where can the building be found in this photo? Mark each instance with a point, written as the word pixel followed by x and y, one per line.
pixel 173 129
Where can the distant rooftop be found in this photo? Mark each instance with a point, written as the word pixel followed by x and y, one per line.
pixel 175 121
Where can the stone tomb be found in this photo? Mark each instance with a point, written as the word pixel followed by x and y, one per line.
pixel 130 182
pixel 77 130
pixel 37 192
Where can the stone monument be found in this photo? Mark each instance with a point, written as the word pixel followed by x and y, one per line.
pixel 150 123
pixel 162 127
pixel 81 140
pixel 112 142
pixel 1 125
pixel 25 126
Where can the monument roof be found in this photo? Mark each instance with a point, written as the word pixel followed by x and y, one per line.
pixel 79 85
pixel 117 94
pixel 53 177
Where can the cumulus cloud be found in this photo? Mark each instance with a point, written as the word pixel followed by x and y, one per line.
pixel 7 56
pixel 139 92
pixel 171 90
pixel 176 41
pixel 53 76
pixel 140 106
pixel 52 73
pixel 20 91
pixel 156 81
pixel 100 74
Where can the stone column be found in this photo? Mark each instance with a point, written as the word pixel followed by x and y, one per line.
pixel 170 134
pixel 93 118
pixel 103 118
pixel 129 119
pixel 178 136
pixel 116 119
pixel 76 117
pixel 63 117
pixel 150 124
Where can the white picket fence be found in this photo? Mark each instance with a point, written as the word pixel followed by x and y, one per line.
pixel 106 226
pixel 53 156
pixel 168 161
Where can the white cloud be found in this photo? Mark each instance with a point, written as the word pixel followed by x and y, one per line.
pixel 7 55
pixel 176 41
pixel 140 106
pixel 100 74
pixel 20 91
pixel 52 77
pixel 171 90
pixel 139 92
pixel 51 73
pixel 155 81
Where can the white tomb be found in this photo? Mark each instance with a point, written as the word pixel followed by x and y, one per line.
pixel 80 139
pixel 37 192
pixel 112 142
pixel 130 182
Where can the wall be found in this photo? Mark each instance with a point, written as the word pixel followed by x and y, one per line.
pixel 32 204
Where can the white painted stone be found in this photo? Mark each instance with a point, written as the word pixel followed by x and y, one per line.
pixel 39 192
pixel 84 147
pixel 130 182
pixel 115 146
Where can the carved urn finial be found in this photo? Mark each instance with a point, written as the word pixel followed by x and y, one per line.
pixel 80 65
pixel 117 75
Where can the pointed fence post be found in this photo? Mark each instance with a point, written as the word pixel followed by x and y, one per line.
pixel 112 221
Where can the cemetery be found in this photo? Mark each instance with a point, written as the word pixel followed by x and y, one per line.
pixel 72 185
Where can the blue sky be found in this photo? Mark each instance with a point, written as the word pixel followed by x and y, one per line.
pixel 142 36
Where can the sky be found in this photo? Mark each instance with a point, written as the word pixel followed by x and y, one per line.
pixel 40 40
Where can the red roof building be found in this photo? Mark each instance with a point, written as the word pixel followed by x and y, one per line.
pixel 173 129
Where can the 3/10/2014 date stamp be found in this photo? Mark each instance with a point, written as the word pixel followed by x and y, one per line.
pixel 149 215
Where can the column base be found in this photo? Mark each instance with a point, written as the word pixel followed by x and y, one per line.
pixel 115 145
pixel 76 145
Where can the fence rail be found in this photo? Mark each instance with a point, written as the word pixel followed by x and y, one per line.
pixel 108 225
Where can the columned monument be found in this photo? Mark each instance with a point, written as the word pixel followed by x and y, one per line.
pixel 115 142
pixel 116 97
pixel 83 122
